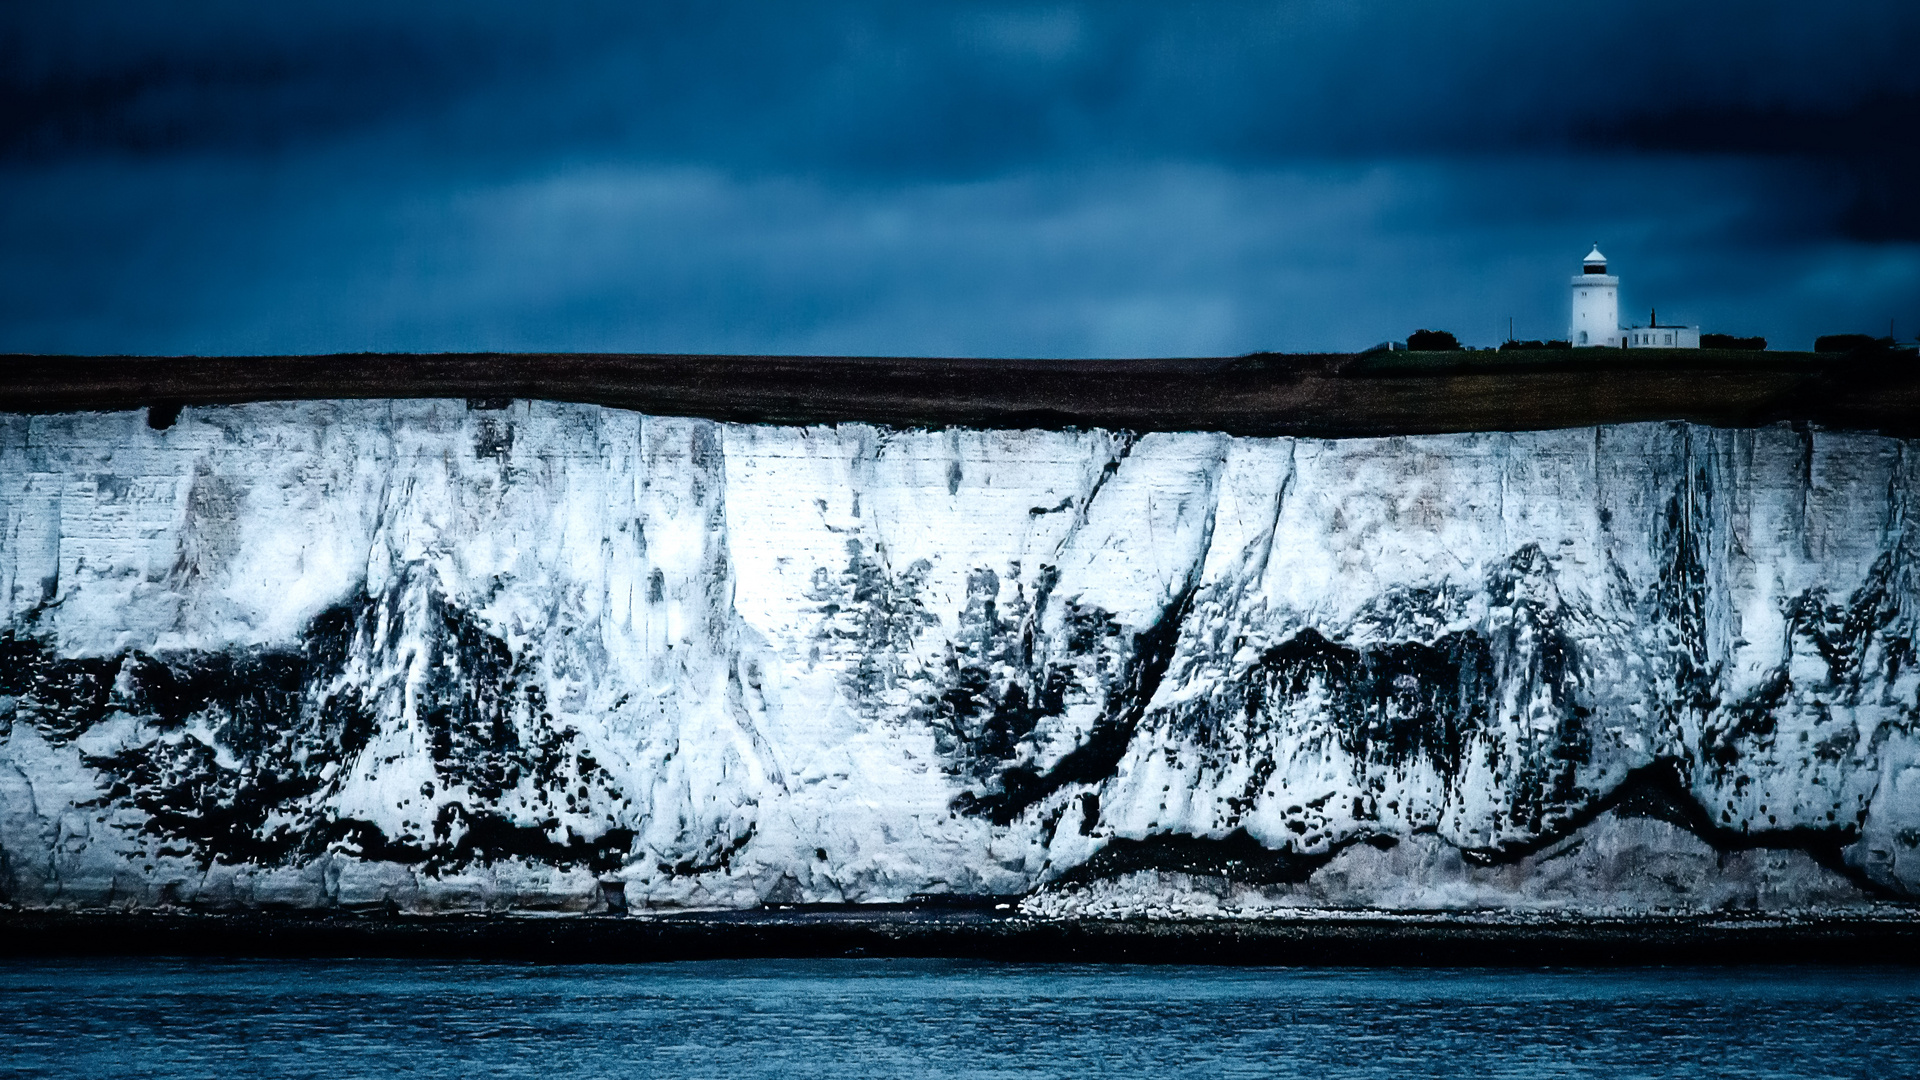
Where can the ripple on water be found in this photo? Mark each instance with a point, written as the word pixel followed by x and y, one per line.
pixel 744 1020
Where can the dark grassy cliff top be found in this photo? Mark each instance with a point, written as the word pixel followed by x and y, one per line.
pixel 1365 394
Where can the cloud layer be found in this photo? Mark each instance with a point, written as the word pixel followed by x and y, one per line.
pixel 1113 179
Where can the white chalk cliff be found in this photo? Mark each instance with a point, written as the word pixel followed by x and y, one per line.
pixel 420 655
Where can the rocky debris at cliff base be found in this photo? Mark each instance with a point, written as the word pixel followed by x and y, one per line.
pixel 1616 867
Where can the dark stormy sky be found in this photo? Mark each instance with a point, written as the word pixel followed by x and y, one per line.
pixel 1108 178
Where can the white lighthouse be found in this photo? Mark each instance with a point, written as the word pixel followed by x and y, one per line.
pixel 1596 304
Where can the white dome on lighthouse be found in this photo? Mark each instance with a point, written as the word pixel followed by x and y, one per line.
pixel 1594 256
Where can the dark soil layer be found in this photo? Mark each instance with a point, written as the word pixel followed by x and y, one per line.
pixel 903 931
pixel 1377 393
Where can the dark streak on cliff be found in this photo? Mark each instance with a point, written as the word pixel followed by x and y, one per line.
pixel 1659 790
pixel 1656 791
pixel 1094 760
pixel 285 722
pixel 1236 857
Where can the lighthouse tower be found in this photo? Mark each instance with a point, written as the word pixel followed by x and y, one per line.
pixel 1596 304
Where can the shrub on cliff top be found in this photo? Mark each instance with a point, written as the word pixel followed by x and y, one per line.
pixel 1431 341
pixel 1845 342
pixel 1728 341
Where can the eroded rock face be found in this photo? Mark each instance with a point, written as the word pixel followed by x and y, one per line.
pixel 415 654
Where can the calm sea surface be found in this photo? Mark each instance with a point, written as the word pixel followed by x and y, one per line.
pixel 858 1018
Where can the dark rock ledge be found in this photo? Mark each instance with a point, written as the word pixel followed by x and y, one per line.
pixel 1327 938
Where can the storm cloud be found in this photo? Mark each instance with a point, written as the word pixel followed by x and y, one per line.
pixel 1097 179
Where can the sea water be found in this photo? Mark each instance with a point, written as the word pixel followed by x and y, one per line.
pixel 744 1020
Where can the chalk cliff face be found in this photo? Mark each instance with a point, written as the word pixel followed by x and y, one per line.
pixel 423 655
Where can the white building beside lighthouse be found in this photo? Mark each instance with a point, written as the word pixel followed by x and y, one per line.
pixel 1596 304
pixel 1656 335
